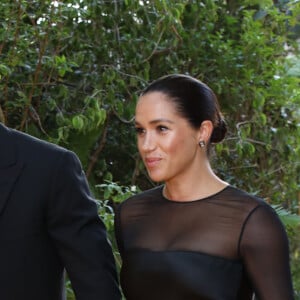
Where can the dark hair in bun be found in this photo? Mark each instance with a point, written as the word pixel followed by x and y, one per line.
pixel 194 100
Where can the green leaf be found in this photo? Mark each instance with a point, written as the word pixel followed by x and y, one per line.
pixel 78 122
pixel 4 70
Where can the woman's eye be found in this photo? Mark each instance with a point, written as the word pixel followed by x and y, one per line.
pixel 162 128
pixel 139 130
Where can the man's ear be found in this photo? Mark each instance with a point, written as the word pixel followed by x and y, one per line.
pixel 205 131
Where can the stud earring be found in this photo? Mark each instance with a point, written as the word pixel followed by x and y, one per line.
pixel 202 144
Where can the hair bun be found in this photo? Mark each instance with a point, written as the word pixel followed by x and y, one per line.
pixel 219 132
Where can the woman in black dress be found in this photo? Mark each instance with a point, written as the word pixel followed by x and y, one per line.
pixel 195 237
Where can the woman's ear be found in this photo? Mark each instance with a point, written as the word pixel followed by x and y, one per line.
pixel 205 131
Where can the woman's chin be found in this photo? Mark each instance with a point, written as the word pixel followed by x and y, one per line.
pixel 156 177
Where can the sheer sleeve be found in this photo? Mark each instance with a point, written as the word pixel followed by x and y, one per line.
pixel 265 252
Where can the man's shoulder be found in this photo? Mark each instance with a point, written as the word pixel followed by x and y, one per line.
pixel 26 140
pixel 30 149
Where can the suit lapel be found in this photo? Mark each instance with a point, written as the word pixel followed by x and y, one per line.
pixel 10 167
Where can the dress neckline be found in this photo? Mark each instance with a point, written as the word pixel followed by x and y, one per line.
pixel 195 200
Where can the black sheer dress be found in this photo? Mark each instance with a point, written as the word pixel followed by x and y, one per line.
pixel 223 247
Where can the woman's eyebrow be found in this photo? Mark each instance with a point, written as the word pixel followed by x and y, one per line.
pixel 155 121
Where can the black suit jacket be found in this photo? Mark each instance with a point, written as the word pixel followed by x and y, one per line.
pixel 48 222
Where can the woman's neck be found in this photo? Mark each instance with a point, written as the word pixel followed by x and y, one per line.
pixel 203 184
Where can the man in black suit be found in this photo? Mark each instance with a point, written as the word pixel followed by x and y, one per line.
pixel 48 223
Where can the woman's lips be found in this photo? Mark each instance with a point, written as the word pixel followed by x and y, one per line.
pixel 152 162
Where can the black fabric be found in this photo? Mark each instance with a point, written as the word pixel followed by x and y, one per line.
pixel 223 247
pixel 48 223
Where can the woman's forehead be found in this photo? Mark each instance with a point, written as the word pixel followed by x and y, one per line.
pixel 156 103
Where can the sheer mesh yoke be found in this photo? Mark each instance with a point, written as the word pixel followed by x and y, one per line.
pixel 222 247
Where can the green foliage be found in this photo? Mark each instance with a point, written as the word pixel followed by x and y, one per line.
pixel 111 194
pixel 71 71
pixel 292 225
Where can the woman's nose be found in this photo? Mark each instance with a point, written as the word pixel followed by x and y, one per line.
pixel 147 142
